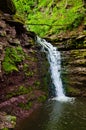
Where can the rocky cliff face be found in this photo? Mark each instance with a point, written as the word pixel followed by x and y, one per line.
pixel 73 51
pixel 74 72
pixel 21 71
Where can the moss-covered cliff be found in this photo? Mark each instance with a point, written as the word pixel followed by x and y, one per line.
pixel 21 64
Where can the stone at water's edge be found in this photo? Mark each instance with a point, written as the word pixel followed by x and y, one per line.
pixel 74 72
pixel 7 121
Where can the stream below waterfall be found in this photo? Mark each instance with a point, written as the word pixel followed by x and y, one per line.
pixel 55 115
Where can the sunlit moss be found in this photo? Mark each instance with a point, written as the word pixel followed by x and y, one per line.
pixel 51 17
pixel 13 56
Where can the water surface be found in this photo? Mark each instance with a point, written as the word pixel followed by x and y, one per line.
pixel 55 115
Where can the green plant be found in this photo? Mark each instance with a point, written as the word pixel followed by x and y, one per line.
pixel 37 83
pixel 51 17
pixel 13 56
pixel 20 91
pixel 25 67
pixel 5 129
pixel 42 98
pixel 29 73
pixel 26 106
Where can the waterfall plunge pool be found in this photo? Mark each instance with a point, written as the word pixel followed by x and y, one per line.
pixel 55 115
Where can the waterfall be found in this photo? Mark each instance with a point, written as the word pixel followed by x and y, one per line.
pixel 54 59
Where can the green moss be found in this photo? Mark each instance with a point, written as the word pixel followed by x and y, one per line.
pixel 18 18
pixel 25 67
pixel 42 98
pixel 26 106
pixel 37 84
pixel 33 59
pixel 20 91
pixel 5 129
pixel 26 70
pixel 72 90
pixel 13 56
pixel 29 74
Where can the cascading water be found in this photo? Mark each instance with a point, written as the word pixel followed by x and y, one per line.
pixel 54 59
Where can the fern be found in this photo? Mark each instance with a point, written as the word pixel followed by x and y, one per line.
pixel 52 13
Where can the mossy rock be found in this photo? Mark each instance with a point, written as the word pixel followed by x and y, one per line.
pixel 7 122
pixel 72 91
pixel 7 6
pixel 13 56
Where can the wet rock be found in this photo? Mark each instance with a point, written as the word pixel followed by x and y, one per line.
pixel 10 32
pixel 1 47
pixel 2 33
pixel 14 42
pixel 74 72
pixel 2 24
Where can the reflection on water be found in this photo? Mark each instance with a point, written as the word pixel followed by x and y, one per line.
pixel 56 115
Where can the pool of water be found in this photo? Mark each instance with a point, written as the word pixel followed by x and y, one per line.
pixel 55 115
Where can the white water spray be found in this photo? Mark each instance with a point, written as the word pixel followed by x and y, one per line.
pixel 54 59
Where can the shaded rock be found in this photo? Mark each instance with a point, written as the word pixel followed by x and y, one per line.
pixel 2 24
pixel 10 32
pixel 74 72
pixel 2 33
pixel 7 6
pixel 19 26
pixel 1 47
pixel 0 68
pixel 14 42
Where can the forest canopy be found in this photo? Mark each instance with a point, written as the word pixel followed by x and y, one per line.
pixel 51 17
